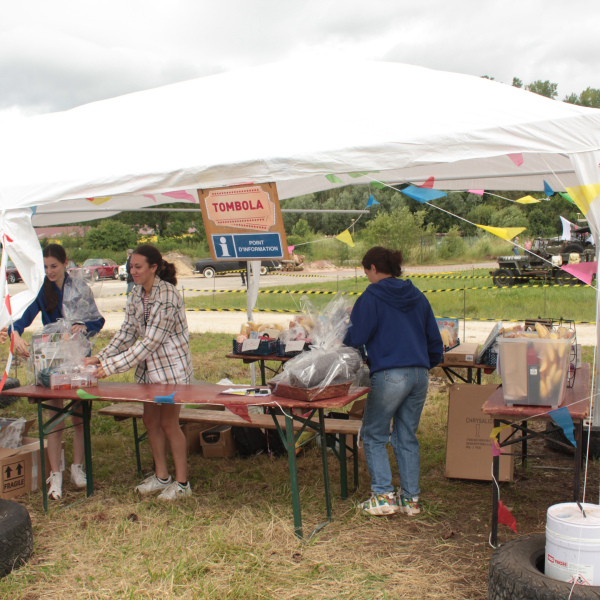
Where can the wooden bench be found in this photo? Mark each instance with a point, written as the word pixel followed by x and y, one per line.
pixel 336 430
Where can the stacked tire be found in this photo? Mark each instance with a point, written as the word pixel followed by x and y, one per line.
pixel 517 573
pixel 16 536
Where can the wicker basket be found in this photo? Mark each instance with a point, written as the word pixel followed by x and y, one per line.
pixel 309 394
pixel 280 349
pixel 265 348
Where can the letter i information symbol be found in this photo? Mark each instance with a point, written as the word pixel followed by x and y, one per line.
pixel 224 246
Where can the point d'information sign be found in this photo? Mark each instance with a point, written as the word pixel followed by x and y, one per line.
pixel 244 222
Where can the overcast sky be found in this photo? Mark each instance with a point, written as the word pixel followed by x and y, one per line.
pixel 57 54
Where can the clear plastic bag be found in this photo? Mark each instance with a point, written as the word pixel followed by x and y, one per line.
pixel 328 362
pixel 78 304
pixel 11 436
pixel 56 347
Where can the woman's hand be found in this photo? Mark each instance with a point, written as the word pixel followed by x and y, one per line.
pixel 91 360
pixel 3 335
pixel 21 346
pixel 79 328
pixel 100 373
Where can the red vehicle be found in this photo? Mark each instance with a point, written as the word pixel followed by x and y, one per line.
pixel 100 268
pixel 12 275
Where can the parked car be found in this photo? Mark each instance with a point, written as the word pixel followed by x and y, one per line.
pixel 97 268
pixel 73 269
pixel 122 272
pixel 209 267
pixel 12 274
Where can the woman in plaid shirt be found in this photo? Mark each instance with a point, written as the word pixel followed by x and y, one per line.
pixel 154 338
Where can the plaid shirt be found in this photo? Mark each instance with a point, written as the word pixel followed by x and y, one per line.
pixel 159 347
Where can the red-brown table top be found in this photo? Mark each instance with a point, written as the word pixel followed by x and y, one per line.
pixel 184 394
pixel 576 400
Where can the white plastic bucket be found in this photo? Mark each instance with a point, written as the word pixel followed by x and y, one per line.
pixel 573 543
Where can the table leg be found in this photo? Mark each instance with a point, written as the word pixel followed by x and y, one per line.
pixel 343 466
pixel 291 450
pixel 325 464
pixel 42 457
pixel 355 456
pixel 495 495
pixel 86 410
pixel 263 375
pixel 524 445
pixel 469 375
pixel 478 380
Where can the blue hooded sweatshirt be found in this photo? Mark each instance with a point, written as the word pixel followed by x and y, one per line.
pixel 394 320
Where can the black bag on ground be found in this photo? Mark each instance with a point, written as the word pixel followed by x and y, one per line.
pixel 249 441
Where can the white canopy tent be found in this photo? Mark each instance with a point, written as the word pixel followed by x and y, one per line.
pixel 291 123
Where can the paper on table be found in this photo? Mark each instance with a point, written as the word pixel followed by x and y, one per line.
pixel 246 392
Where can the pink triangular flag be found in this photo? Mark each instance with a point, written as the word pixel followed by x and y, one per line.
pixel 505 517
pixel 478 192
pixel 517 158
pixel 291 249
pixel 428 183
pixel 241 410
pixel 584 271
pixel 496 450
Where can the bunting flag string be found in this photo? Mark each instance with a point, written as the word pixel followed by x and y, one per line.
pixel 548 190
pixel 517 158
pixel 527 200
pixel 566 225
pixel 583 271
pixel 584 195
pixel 421 194
pixel 371 201
pixel 506 233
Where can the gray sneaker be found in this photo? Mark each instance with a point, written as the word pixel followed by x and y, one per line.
pixel 78 478
pixel 54 483
pixel 151 485
pixel 175 491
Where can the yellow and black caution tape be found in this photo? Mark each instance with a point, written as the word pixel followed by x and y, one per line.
pixel 410 276
pixel 288 274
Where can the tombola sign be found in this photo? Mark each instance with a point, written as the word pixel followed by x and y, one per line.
pixel 243 222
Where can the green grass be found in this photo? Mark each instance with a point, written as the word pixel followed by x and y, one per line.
pixel 516 303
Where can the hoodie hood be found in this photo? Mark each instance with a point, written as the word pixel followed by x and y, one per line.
pixel 397 293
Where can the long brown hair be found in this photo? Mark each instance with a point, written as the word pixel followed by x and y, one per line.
pixel 385 260
pixel 164 269
pixel 58 252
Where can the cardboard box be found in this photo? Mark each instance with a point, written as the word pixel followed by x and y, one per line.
pixel 468 445
pixel 464 354
pixel 20 468
pixel 217 442
pixel 358 408
pixel 192 436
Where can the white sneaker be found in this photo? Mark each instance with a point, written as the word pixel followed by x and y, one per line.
pixel 151 484
pixel 55 486
pixel 175 491
pixel 78 478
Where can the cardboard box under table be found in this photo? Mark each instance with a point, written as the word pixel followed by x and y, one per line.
pixel 20 470
pixel 217 442
pixel 576 401
pixel 468 445
pixel 312 415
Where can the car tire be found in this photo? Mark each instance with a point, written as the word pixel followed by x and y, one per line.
pixel 16 536
pixel 10 384
pixel 95 276
pixel 209 272
pixel 11 278
pixel 563 278
pixel 572 247
pixel 115 273
pixel 503 278
pixel 263 270
pixel 516 573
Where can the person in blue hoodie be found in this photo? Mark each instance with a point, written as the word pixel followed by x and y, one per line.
pixel 61 297
pixel 394 320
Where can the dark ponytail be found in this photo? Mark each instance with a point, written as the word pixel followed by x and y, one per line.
pixel 385 260
pixel 58 252
pixel 164 269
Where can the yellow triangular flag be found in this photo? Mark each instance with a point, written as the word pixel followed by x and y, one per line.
pixel 345 237
pixel 494 433
pixel 584 195
pixel 506 233
pixel 527 200
pixel 99 200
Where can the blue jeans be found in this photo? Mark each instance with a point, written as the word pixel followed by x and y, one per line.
pixel 398 396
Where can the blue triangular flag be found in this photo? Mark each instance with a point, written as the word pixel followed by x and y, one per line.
pixel 371 201
pixel 548 190
pixel 423 194
pixel 170 399
pixel 562 418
